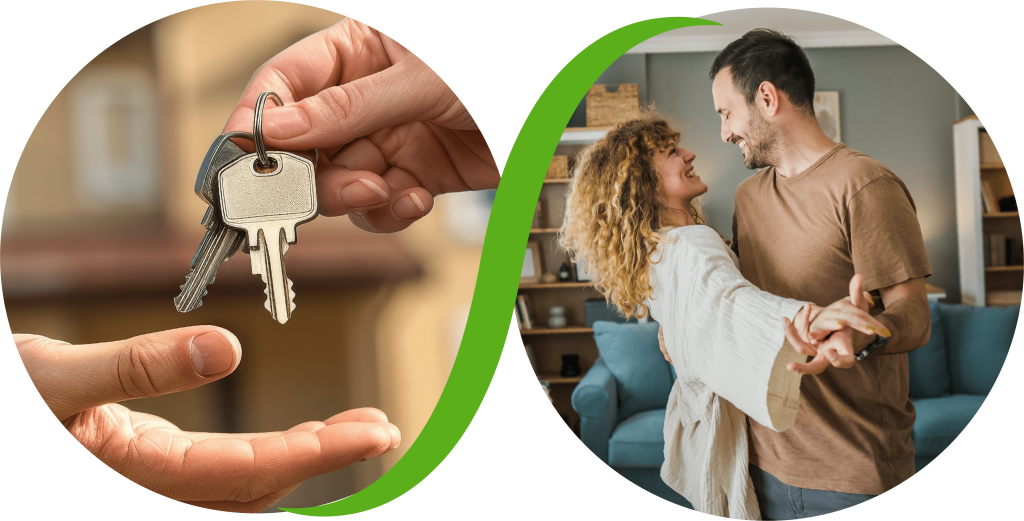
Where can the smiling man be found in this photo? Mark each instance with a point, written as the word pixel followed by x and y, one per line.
pixel 817 213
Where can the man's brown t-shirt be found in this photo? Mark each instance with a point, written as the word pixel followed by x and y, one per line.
pixel 804 237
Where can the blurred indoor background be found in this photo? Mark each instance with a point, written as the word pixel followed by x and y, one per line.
pixel 102 221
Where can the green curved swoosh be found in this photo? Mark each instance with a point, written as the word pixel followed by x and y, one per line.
pixel 500 263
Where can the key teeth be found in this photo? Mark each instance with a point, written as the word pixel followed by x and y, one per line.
pixel 291 295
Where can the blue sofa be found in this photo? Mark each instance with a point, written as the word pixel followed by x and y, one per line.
pixel 621 400
pixel 952 374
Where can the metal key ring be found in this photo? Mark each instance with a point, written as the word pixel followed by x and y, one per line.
pixel 257 127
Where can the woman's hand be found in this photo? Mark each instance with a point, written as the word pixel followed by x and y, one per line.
pixel 828 335
pixel 849 312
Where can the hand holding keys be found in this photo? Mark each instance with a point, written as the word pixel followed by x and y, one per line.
pixel 259 199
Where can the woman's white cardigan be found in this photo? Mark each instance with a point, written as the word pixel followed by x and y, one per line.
pixel 726 341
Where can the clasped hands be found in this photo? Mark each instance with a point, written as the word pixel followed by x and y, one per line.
pixel 828 334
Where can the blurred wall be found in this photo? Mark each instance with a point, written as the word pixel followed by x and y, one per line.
pixel 87 259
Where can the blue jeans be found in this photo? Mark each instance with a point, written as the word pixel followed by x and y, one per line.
pixel 778 500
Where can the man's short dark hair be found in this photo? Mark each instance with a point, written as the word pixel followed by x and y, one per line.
pixel 767 55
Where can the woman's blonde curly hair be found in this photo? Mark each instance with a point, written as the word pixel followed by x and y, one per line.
pixel 613 210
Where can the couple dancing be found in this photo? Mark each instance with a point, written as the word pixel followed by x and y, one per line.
pixel 753 428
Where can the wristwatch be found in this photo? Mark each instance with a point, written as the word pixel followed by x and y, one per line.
pixel 877 344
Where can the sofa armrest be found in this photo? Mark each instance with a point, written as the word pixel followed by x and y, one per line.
pixel 597 402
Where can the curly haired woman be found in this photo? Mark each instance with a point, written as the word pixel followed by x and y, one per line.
pixel 632 213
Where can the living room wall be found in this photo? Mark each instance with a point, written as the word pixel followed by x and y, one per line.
pixel 893 107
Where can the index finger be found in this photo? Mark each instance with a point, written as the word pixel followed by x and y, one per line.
pixel 855 294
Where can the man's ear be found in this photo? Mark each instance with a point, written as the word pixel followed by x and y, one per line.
pixel 767 98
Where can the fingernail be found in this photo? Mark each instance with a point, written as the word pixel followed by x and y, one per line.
pixel 285 122
pixel 871 329
pixel 363 193
pixel 831 356
pixel 211 354
pixel 408 208
pixel 886 333
pixel 840 322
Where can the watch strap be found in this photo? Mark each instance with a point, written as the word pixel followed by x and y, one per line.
pixel 878 343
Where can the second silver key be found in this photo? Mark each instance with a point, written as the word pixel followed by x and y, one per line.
pixel 268 206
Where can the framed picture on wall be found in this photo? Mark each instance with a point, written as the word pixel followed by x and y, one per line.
pixel 826 109
pixel 531 263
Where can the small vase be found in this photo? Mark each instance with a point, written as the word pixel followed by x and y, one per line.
pixel 556 317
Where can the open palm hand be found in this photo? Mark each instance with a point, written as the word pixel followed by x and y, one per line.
pixel 235 472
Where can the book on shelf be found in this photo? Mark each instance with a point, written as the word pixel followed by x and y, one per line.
pixel 988 198
pixel 1001 249
pixel 523 313
pixel 1013 257
pixel 995 251
pixel 986 250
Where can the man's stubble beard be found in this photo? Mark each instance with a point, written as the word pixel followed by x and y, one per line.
pixel 762 142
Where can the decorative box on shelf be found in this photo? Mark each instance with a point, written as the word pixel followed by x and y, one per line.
pixel 559 168
pixel 606 104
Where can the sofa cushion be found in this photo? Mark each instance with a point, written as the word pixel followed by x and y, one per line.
pixel 978 339
pixel 940 420
pixel 639 441
pixel 643 378
pixel 929 366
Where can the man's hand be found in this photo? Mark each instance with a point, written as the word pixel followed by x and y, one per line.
pixel 390 133
pixel 235 472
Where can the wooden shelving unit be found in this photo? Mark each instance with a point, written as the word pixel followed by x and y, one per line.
pixel 571 330
pixel 555 285
pixel 977 164
pixel 997 269
pixel 555 378
pixel 548 345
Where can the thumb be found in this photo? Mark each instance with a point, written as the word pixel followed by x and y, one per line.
pixel 73 378
pixel 405 92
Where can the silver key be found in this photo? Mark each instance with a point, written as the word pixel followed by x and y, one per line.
pixel 219 242
pixel 268 206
